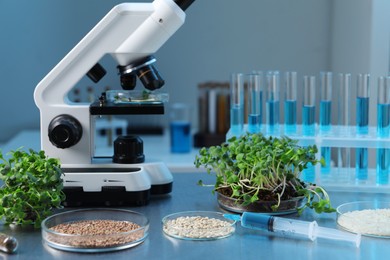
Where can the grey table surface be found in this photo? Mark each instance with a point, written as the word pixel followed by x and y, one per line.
pixel 244 244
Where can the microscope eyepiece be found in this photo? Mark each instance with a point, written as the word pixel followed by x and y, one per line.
pixel 144 70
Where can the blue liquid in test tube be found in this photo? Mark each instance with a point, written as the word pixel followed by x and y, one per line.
pixel 308 106
pixel 236 104
pixel 254 102
pixel 383 130
pixel 308 119
pixel 272 103
pixel 362 110
pixel 325 116
pixel 290 103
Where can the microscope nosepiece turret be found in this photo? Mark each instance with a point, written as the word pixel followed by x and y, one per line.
pixel 144 70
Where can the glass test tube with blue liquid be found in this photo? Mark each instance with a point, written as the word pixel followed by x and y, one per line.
pixel 362 112
pixel 309 105
pixel 383 130
pixel 236 104
pixel 326 115
pixel 254 103
pixel 273 103
pixel 290 103
pixel 343 121
pixel 308 118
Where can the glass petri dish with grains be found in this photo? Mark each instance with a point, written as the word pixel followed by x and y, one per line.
pixel 368 218
pixel 198 225
pixel 95 230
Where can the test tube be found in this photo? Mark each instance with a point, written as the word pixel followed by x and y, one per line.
pixel 308 119
pixel 343 111
pixel 326 115
pixel 290 103
pixel 236 104
pixel 383 130
pixel 272 105
pixel 254 102
pixel 308 105
pixel 362 107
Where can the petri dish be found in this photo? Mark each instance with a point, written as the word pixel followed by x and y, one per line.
pixel 286 206
pixel 198 225
pixel 136 96
pixel 368 218
pixel 95 230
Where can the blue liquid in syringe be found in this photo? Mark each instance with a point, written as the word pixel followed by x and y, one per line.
pixel 325 127
pixel 290 116
pixel 237 119
pixel 308 120
pixel 272 116
pixel 383 155
pixel 362 128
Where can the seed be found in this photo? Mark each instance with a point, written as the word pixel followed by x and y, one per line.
pixel 198 227
pixel 96 233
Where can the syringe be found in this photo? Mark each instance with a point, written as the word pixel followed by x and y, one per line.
pixel 293 228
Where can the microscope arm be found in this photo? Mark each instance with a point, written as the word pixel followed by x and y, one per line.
pixel 130 31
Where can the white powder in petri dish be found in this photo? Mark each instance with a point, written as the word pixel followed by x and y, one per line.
pixel 374 222
pixel 198 227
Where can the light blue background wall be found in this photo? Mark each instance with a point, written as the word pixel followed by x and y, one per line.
pixel 219 37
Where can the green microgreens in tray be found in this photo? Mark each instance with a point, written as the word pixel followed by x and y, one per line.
pixel 254 167
pixel 31 188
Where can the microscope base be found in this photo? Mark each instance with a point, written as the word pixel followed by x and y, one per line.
pixel 76 197
pixel 114 184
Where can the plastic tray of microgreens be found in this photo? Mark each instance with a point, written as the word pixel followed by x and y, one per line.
pixel 198 225
pixel 136 96
pixel 95 230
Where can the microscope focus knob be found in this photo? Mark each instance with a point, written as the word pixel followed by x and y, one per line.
pixel 128 149
pixel 65 131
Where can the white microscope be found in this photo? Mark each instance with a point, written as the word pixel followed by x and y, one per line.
pixel 130 33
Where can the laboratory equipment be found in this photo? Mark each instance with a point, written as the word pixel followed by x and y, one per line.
pixel 290 103
pixel 180 128
pixel 95 230
pixel 309 106
pixel 362 112
pixel 254 103
pixel 293 228
pixel 237 104
pixel 343 111
pixel 198 225
pixel 308 119
pixel 383 130
pixel 325 116
pixel 131 33
pixel 273 102
pixel 368 218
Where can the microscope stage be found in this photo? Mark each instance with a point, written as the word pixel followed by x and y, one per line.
pixel 136 108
